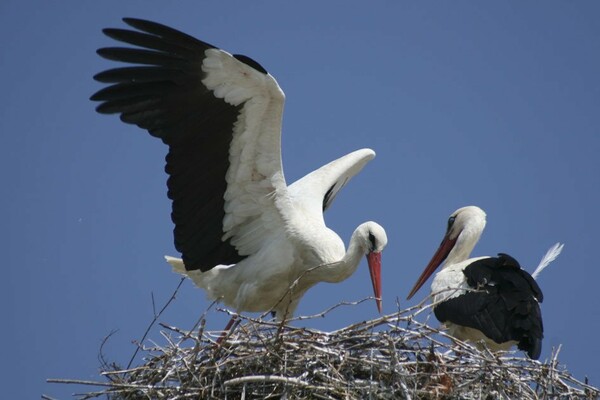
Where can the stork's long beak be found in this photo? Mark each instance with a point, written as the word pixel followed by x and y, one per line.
pixel 439 257
pixel 374 260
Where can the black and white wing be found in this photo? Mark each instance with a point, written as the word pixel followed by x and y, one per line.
pixel 220 115
pixel 504 304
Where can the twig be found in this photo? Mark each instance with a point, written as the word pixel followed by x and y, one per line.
pixel 395 355
pixel 265 378
pixel 156 316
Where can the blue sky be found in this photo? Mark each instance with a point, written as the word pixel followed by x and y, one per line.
pixel 492 104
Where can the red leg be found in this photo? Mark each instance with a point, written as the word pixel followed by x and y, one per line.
pixel 226 330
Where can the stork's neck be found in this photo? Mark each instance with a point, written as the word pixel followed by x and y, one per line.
pixel 465 243
pixel 343 269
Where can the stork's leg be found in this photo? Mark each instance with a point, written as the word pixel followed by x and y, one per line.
pixel 227 329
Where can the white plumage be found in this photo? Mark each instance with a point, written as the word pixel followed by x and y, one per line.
pixel 488 300
pixel 246 237
pixel 550 256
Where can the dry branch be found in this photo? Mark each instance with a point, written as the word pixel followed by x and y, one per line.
pixel 394 356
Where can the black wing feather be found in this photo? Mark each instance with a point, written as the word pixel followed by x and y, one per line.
pixel 505 306
pixel 163 93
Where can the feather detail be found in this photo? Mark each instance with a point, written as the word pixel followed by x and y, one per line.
pixel 550 256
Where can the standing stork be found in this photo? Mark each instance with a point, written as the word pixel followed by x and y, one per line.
pixel 248 239
pixel 483 299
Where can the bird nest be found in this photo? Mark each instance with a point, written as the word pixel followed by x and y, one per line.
pixel 394 356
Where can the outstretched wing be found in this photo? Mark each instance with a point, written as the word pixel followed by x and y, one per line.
pixel 220 115
pixel 316 191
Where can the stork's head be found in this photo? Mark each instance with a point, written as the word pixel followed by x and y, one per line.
pixel 373 239
pixel 465 226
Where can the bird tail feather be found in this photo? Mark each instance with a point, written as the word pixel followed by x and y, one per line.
pixel 550 256
pixel 177 264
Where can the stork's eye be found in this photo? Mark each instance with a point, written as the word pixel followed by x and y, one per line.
pixel 372 241
pixel 451 222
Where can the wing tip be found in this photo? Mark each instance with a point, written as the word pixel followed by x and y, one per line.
pixel 533 349
pixel 367 152
pixel 137 22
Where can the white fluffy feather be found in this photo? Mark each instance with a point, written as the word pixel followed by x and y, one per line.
pixel 550 256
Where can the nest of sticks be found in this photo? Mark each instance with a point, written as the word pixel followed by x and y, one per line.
pixel 391 357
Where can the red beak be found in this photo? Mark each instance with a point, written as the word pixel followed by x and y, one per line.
pixel 374 260
pixel 439 257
